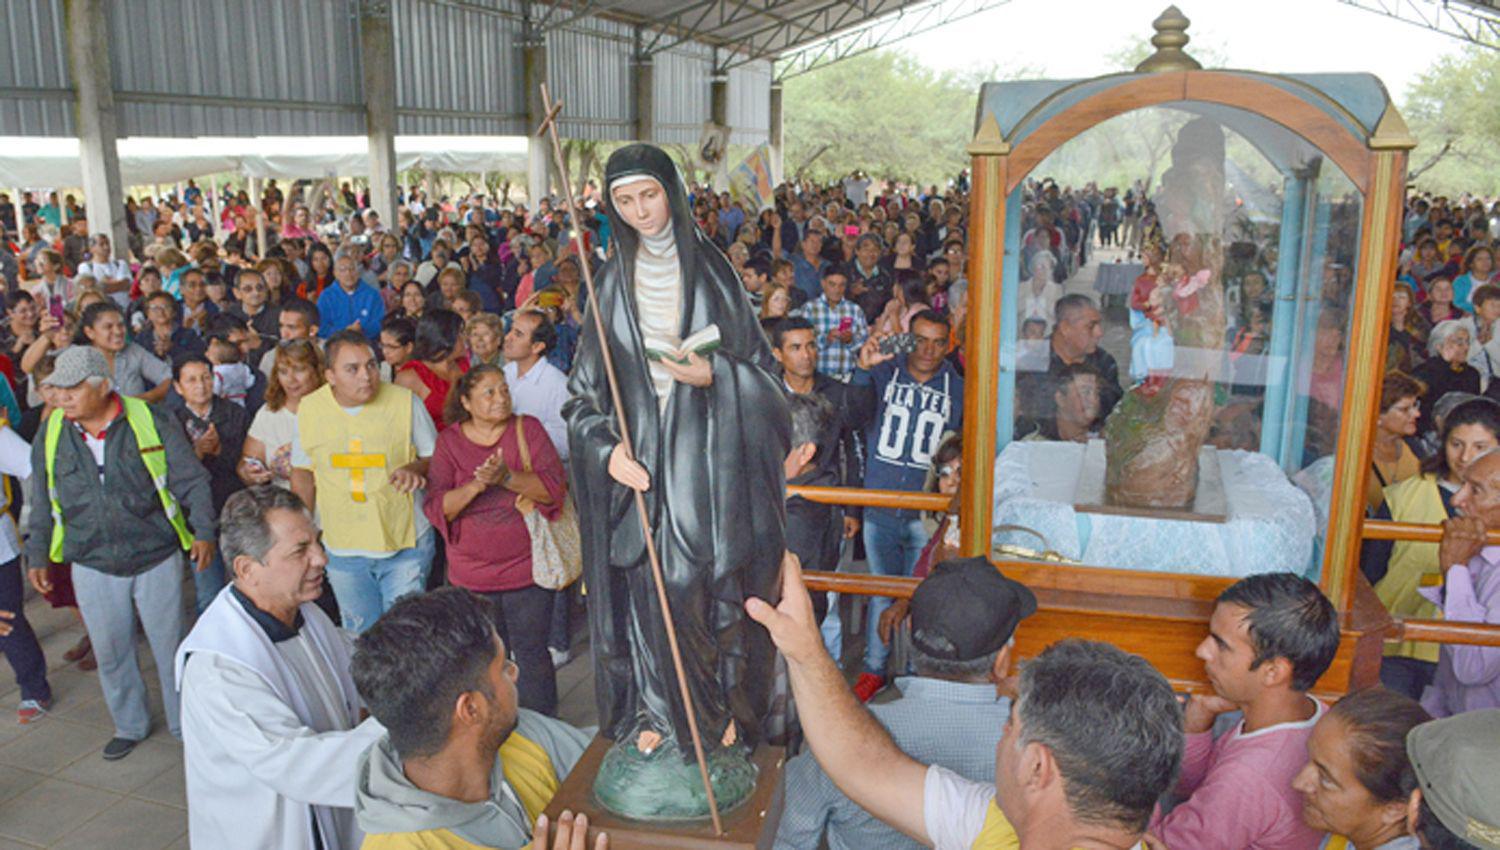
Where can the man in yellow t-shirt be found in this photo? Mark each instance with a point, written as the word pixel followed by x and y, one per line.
pixel 461 766
pixel 1094 738
pixel 359 457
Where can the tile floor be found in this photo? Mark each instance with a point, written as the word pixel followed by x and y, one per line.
pixel 57 792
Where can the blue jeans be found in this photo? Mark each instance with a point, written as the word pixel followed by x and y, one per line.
pixel 366 587
pixel 20 647
pixel 208 582
pixel 892 545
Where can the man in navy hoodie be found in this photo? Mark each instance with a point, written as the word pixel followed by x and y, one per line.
pixel 919 397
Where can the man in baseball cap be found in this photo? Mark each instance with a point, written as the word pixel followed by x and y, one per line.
pixel 950 713
pixel 966 610
pixel 1457 801
pixel 119 493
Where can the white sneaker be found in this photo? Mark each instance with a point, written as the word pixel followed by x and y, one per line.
pixel 559 656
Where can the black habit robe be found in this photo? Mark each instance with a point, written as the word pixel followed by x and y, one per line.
pixel 716 505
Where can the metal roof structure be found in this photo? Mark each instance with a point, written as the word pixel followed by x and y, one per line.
pixel 1474 21
pixel 295 65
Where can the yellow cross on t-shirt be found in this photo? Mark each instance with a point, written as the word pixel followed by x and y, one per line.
pixel 357 462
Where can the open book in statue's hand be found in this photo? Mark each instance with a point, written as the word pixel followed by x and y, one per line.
pixel 702 343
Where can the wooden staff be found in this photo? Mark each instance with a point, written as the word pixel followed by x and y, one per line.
pixel 549 128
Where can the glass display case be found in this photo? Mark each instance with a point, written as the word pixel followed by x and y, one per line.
pixel 1194 401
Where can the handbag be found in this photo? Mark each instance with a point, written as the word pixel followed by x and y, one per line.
pixel 556 548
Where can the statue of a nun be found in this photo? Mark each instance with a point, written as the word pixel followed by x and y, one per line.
pixel 711 435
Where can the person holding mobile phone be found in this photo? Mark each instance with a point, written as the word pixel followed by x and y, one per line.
pixel 840 326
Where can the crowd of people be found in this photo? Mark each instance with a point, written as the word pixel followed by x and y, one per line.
pixel 198 401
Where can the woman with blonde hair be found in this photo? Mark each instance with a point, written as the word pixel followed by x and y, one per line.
pixel 267 456
pixel 777 303
pixel 171 262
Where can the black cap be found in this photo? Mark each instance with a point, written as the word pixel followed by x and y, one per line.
pixel 965 609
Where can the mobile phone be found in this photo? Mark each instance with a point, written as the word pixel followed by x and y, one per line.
pixel 899 344
pixel 846 324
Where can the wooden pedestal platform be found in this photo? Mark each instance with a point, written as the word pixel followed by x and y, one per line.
pixel 750 826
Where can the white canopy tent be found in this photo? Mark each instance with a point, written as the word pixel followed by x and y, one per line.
pixel 48 162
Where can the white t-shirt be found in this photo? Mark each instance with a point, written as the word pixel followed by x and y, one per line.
pixel 276 429
pixel 112 270
pixel 856 189
pixel 954 810
pixel 957 814
pixel 15 460
pixel 423 438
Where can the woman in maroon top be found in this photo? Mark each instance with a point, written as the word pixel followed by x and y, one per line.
pixel 438 356
pixel 472 484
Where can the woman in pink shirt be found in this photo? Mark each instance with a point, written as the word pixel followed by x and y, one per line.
pixel 474 482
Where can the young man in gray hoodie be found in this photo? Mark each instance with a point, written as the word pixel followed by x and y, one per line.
pixel 461 764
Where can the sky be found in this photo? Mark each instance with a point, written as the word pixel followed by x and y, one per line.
pixel 1073 38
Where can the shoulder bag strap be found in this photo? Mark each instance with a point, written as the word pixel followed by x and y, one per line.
pixel 521 443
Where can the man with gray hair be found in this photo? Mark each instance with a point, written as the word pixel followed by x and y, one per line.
pixel 1094 739
pixel 1468 677
pixel 353 301
pixel 127 497
pixel 270 716
pixel 951 712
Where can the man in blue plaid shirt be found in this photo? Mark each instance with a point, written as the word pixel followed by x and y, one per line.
pixel 840 326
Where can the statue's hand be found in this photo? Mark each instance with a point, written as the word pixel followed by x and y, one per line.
pixel 697 373
pixel 626 471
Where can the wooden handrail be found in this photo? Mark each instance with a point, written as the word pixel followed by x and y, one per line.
pixel 859 497
pixel 1447 631
pixel 860 584
pixel 1418 532
pixel 901 587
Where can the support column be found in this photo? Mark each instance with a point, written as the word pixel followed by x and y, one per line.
pixel 97 121
pixel 718 98
pixel 643 85
pixel 533 74
pixel 258 210
pixel 377 44
pixel 777 137
pixel 718 111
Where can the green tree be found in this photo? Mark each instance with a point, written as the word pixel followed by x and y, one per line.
pixel 883 112
pixel 1451 111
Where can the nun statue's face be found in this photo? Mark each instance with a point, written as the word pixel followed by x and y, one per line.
pixel 643 205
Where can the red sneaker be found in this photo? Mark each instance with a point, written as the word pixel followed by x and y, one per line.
pixel 868 685
pixel 32 710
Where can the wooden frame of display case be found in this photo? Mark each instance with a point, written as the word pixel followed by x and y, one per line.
pixel 1163 616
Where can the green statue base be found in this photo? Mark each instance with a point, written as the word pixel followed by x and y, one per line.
pixel 661 786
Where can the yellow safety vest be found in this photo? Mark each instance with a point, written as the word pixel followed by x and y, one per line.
pixel 153 455
pixel 352 457
pixel 1412 564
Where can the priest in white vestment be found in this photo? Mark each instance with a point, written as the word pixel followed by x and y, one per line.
pixel 270 716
